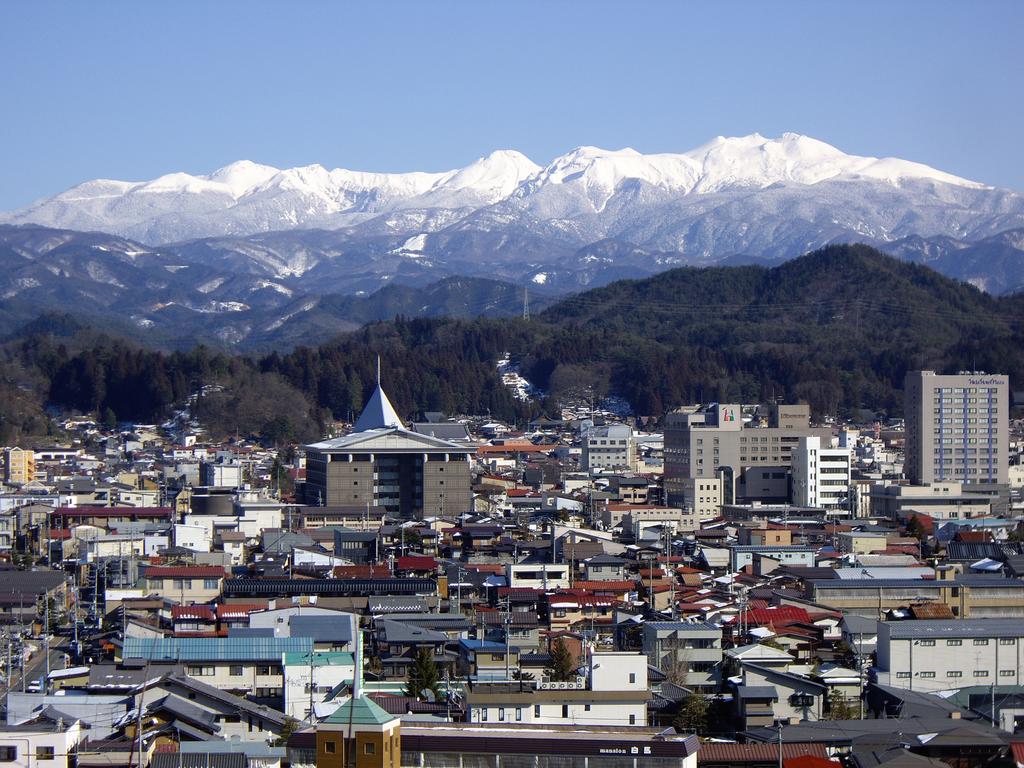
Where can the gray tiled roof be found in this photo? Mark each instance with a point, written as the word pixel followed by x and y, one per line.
pixel 956 628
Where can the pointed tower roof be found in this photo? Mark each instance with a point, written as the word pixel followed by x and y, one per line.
pixel 378 413
pixel 360 711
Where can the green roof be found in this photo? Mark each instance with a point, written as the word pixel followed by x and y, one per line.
pixel 361 711
pixel 320 659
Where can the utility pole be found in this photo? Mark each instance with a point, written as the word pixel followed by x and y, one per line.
pixel 508 631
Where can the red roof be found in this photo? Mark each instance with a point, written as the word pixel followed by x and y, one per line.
pixel 184 572
pixel 236 610
pixel 605 586
pixel 810 761
pixel 415 563
pixel 1017 748
pixel 783 614
pixel 192 612
pixel 111 512
pixel 361 572
pixel 485 568
pixel 741 754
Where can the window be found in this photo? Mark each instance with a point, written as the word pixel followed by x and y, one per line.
pixel 632 719
pixel 44 753
pixel 497 657
pixel 329 747
pixel 536 710
pixel 1006 673
pixel 632 677
pixel 501 714
pixel 1006 641
pixel 954 642
pixel 903 674
pixel 565 711
pixel 180 584
pixel 952 673
pixel 586 707
pixel 210 584
pixel 483 715
pixel 235 670
pixel 981 642
pixel 519 714
pixel 927 674
pixel 981 673
pixel 369 749
pixel 8 754
pixel 927 642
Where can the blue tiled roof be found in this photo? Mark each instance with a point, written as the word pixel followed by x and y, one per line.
pixel 214 648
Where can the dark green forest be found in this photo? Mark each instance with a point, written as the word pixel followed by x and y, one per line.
pixel 837 328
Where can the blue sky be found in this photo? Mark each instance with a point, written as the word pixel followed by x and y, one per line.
pixel 138 89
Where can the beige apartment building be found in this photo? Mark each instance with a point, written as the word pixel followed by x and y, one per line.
pixel 19 466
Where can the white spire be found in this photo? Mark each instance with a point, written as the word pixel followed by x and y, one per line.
pixel 357 676
pixel 378 413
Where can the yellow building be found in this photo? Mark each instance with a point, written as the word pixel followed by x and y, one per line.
pixel 19 466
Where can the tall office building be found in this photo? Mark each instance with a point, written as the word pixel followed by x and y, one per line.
pixel 711 441
pixel 383 464
pixel 957 427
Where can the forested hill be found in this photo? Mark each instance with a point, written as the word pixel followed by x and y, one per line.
pixel 838 328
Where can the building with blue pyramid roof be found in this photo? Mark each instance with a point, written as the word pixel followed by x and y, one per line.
pixel 381 463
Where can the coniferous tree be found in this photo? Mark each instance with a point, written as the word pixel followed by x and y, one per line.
pixel 560 668
pixel 423 675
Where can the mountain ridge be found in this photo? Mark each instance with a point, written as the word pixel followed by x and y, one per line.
pixel 245 197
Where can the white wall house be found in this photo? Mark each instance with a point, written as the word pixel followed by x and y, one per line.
pixel 42 744
pixel 612 694
pixel 310 677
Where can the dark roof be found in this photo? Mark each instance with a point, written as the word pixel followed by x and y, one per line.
pixel 322 628
pixel 29 583
pixel 328 587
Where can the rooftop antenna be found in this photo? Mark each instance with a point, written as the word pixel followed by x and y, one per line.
pixel 378 370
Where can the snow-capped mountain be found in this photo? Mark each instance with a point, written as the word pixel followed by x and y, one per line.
pixel 249 251
pixel 583 196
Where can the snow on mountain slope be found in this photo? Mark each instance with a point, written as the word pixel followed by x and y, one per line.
pixel 245 198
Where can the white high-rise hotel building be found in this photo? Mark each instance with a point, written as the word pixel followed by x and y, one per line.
pixel 957 427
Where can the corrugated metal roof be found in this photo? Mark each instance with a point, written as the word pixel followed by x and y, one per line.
pixel 956 628
pixel 342 587
pixel 214 648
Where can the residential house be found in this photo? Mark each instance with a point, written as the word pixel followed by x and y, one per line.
pixel 185 584
pixel 689 654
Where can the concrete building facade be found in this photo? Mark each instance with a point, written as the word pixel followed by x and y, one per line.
pixel 821 475
pixel 950 653
pixel 382 464
pixel 753 462
pixel 608 448
pixel 957 427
